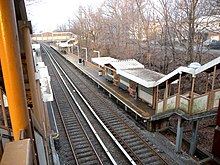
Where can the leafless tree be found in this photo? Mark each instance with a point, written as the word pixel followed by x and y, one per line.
pixel 32 2
pixel 132 29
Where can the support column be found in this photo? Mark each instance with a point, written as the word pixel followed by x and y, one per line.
pixel 38 111
pixel 179 135
pixel 193 142
pixel 165 96
pixel 192 94
pixel 12 68
pixel 213 80
pixel 155 96
pixel 192 87
pixel 166 92
pixel 179 92
pixel 207 82
pixel 212 95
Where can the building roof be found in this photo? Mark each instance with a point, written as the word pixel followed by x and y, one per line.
pixel 173 76
pixel 136 72
pixel 126 64
pixel 101 61
pixel 142 76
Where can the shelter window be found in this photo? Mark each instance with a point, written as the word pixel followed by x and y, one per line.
pixel 147 90
pixel 110 72
pixel 124 79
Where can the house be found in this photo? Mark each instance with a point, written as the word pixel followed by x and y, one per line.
pixel 210 26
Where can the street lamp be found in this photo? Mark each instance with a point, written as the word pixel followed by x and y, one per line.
pixel 86 52
pixel 77 50
pixel 97 52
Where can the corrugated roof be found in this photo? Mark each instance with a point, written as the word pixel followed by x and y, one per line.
pixel 103 60
pixel 142 76
pixel 126 64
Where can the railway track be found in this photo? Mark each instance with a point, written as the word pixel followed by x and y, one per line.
pixel 82 149
pixel 135 148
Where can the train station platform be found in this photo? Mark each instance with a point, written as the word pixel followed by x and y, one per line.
pixel 137 106
pixel 139 109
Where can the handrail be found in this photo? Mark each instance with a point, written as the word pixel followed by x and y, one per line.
pixel 207 93
pixel 184 97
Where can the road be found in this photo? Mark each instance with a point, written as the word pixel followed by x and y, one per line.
pixel 204 50
pixel 211 51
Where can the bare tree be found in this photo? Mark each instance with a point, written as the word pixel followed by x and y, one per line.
pixel 131 29
pixel 32 2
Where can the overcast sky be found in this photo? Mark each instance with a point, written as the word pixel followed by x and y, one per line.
pixel 46 15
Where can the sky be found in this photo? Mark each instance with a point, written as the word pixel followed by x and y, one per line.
pixel 46 15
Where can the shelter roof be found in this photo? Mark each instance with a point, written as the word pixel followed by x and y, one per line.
pixel 126 64
pixel 101 61
pixel 142 76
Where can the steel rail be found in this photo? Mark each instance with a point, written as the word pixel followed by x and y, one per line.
pixel 66 131
pixel 78 121
pixel 84 115
pixel 96 116
pixel 134 132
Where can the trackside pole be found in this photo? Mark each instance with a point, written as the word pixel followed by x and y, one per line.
pixel 179 135
pixel 194 138
pixel 12 68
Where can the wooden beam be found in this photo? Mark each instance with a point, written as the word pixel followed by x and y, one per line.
pixel 178 93
pixel 130 84
pixel 213 80
pixel 207 82
pixel 179 83
pixel 192 94
pixel 192 87
pixel 156 98
pixel 166 90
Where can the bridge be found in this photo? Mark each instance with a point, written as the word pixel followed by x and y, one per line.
pixel 52 36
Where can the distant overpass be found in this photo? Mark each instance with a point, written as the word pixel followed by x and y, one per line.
pixel 53 36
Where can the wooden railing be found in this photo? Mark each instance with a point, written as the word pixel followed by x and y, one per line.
pixel 184 103
pixel 200 103
pixel 195 105
pixel 94 67
pixel 216 98
pixel 87 63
